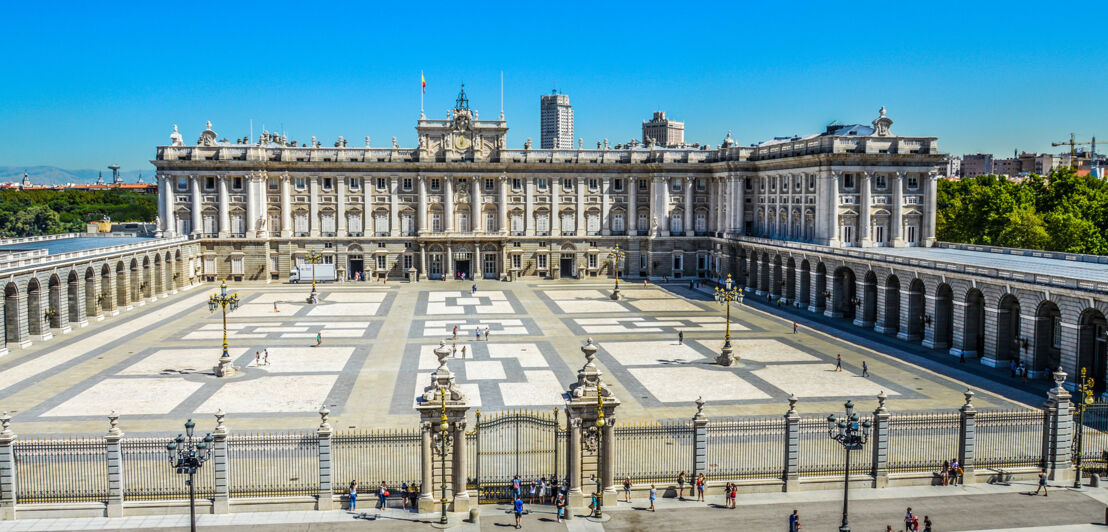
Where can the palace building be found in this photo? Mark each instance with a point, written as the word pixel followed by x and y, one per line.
pixel 462 202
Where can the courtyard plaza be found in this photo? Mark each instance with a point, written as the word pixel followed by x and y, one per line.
pixel 153 366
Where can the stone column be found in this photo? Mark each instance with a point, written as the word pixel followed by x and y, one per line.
pixel 197 206
pixel 326 499
pixel 394 206
pixel 251 205
pixel 573 462
pixel 700 439
pixel 313 206
pixel 833 210
pixel 502 208
pixel 992 321
pixel 928 329
pixel 448 204
pixel 163 192
pixel 1059 427
pixel 461 501
pixel 426 473
pixel 663 206
pixel 605 207
pixel 689 229
pixel 860 309
pixel 719 203
pixel 476 224
pixel 224 208
pixel 340 206
pixel 528 206
pixel 82 311
pixel 896 224
pixel 115 467
pixel 958 336
pixel 928 236
pixel 8 479
pixel 906 317
pixel 580 210
pixel 587 398
pixel 421 207
pixel 881 443
pixel 713 207
pixel 792 446
pixel 632 212
pixel 864 222
pixel 286 206
pixel 221 501
pixel 967 436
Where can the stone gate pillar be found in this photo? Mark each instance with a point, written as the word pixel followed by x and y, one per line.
pixel 590 453
pixel 443 403
pixel 115 467
pixel 7 469
pixel 1057 450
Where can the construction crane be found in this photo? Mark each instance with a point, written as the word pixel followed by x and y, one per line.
pixel 1073 147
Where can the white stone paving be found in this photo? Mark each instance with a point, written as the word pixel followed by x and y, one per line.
pixel 651 353
pixel 819 380
pixel 561 295
pixel 354 297
pixel 686 383
pixel 765 350
pixel 270 394
pixel 307 359
pixel 496 326
pixel 187 360
pixel 583 306
pixel 648 324
pixel 665 305
pixel 484 370
pixel 155 395
pixel 541 389
pixel 344 309
pixel 262 310
pixel 528 355
pixel 464 302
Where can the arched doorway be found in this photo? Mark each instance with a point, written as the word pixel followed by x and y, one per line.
pixel 943 320
pixel 891 323
pixel 805 284
pixel 821 287
pixel 34 307
pixel 844 294
pixel 913 330
pixel 869 300
pixel 1091 344
pixel 73 304
pixel 752 274
pixel 777 283
pixel 1008 328
pixel 90 292
pixel 790 280
pixel 1048 337
pixel 11 314
pixel 763 275
pixel 973 330
pixel 54 305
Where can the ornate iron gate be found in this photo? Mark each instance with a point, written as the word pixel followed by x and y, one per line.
pixel 515 443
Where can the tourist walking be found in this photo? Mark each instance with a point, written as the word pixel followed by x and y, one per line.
pixel 838 362
pixel 865 369
pixel 463 351
pixel 927 524
pixel 257 358
pixel 516 488
pixel 944 473
pixel 455 332
pixel 543 488
pixel 680 337
pixel 653 496
pixel 560 507
pixel 383 496
pixel 534 490
pixel 275 307
pixel 517 507
pixel 700 484
pixel 474 290
pixel 265 356
pixel 795 327
pixel 353 495
pixel 477 334
pixel 681 485
pixel 908 519
pixel 486 333
pixel 794 522
pixel 453 350
pixel 1042 484
pixel 404 495
pixel 319 338
pixel 627 489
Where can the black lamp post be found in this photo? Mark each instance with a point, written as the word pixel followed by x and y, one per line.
pixel 725 296
pixel 313 257
pixel 1084 398
pixel 852 437
pixel 224 300
pixel 187 456
pixel 615 258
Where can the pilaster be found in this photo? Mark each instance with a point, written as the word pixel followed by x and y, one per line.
pixel 221 501
pixel 115 467
pixel 792 446
pixel 967 438
pixel 1059 427
pixel 881 443
pixel 325 500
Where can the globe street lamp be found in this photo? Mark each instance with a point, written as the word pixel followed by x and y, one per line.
pixel 187 456
pixel 1084 398
pixel 725 296
pixel 847 432
pixel 313 257
pixel 444 439
pixel 615 258
pixel 598 513
pixel 223 300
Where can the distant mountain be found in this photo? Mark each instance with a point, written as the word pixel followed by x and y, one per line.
pixel 52 175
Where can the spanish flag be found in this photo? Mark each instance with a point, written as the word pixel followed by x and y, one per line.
pixel 423 82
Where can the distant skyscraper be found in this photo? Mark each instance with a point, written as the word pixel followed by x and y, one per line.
pixel 665 132
pixel 557 121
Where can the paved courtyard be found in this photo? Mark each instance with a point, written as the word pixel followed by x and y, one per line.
pixel 153 364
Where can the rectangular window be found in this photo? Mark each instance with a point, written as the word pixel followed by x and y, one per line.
pixel 517 223
pixel 327 222
pixel 913 183
pixel 210 224
pixel 642 262
pixel 209 266
pixel 406 224
pixel 880 183
pixel 568 224
pixel 238 225
pixel 490 184
pixel 209 183
pixel 812 182
pixel 435 266
pixel 490 222
pixel 355 183
pixel 675 185
pixel 407 262
pixel 382 184
pixel 677 222
pixel 594 183
pixel 642 223
pixel 617 185
pixel 436 222
pixel 540 183
pixel 300 223
pixel 911 233
pixel 592 223
pixel 542 223
pixel 701 185
pixel 382 262
pixel 879 233
pixel 354 222
pixel 273 183
pixel 462 224
pixel 328 184
pixel 567 184
pixel 541 261
pixel 517 183
pixel 236 183
pixel 406 183
pixel 182 184
pixel 435 184
pixel 848 181
pixel 274 223
pixel 617 222
pixel 701 222
pixel 644 185
pixel 381 223
pixel 301 183
pixel 678 263
pixel 749 185
pixel 592 260
pixel 516 261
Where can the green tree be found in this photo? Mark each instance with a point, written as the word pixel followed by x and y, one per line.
pixel 1025 229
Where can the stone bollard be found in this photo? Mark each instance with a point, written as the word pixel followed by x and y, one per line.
pixel 1094 482
pixel 475 515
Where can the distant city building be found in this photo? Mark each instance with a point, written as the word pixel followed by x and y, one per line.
pixel 665 132
pixel 977 164
pixel 951 167
pixel 1006 167
pixel 557 121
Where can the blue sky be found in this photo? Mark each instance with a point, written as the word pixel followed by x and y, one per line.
pixel 91 84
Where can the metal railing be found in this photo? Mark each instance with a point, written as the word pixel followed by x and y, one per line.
pixel 819 455
pixel 371 457
pixel 746 448
pixel 149 476
pixel 1009 438
pixel 921 442
pixel 263 465
pixel 654 452
pixel 67 470
pixel 1094 436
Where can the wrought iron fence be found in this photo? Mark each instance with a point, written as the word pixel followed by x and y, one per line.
pixel 514 443
pixel 1094 438
pixel 922 441
pixel 148 475
pixel 371 457
pixel 65 470
pixel 820 455
pixel 746 448
pixel 654 452
pixel 262 465
pixel 1009 438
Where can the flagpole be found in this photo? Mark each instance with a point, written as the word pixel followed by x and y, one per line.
pixel 421 91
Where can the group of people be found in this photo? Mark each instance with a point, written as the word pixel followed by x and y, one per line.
pixel 1018 369
pixel 261 358
pixel 951 472
pixel 540 489
pixel 408 495
pixel 912 523
pixel 477 332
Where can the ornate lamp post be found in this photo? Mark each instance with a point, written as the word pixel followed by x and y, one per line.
pixel 615 258
pixel 187 456
pixel 598 513
pixel 223 300
pixel 1084 398
pixel 444 439
pixel 852 437
pixel 725 296
pixel 313 257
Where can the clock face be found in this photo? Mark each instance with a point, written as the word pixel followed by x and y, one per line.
pixel 461 142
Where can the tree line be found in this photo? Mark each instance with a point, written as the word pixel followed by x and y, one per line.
pixel 1060 212
pixel 44 212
